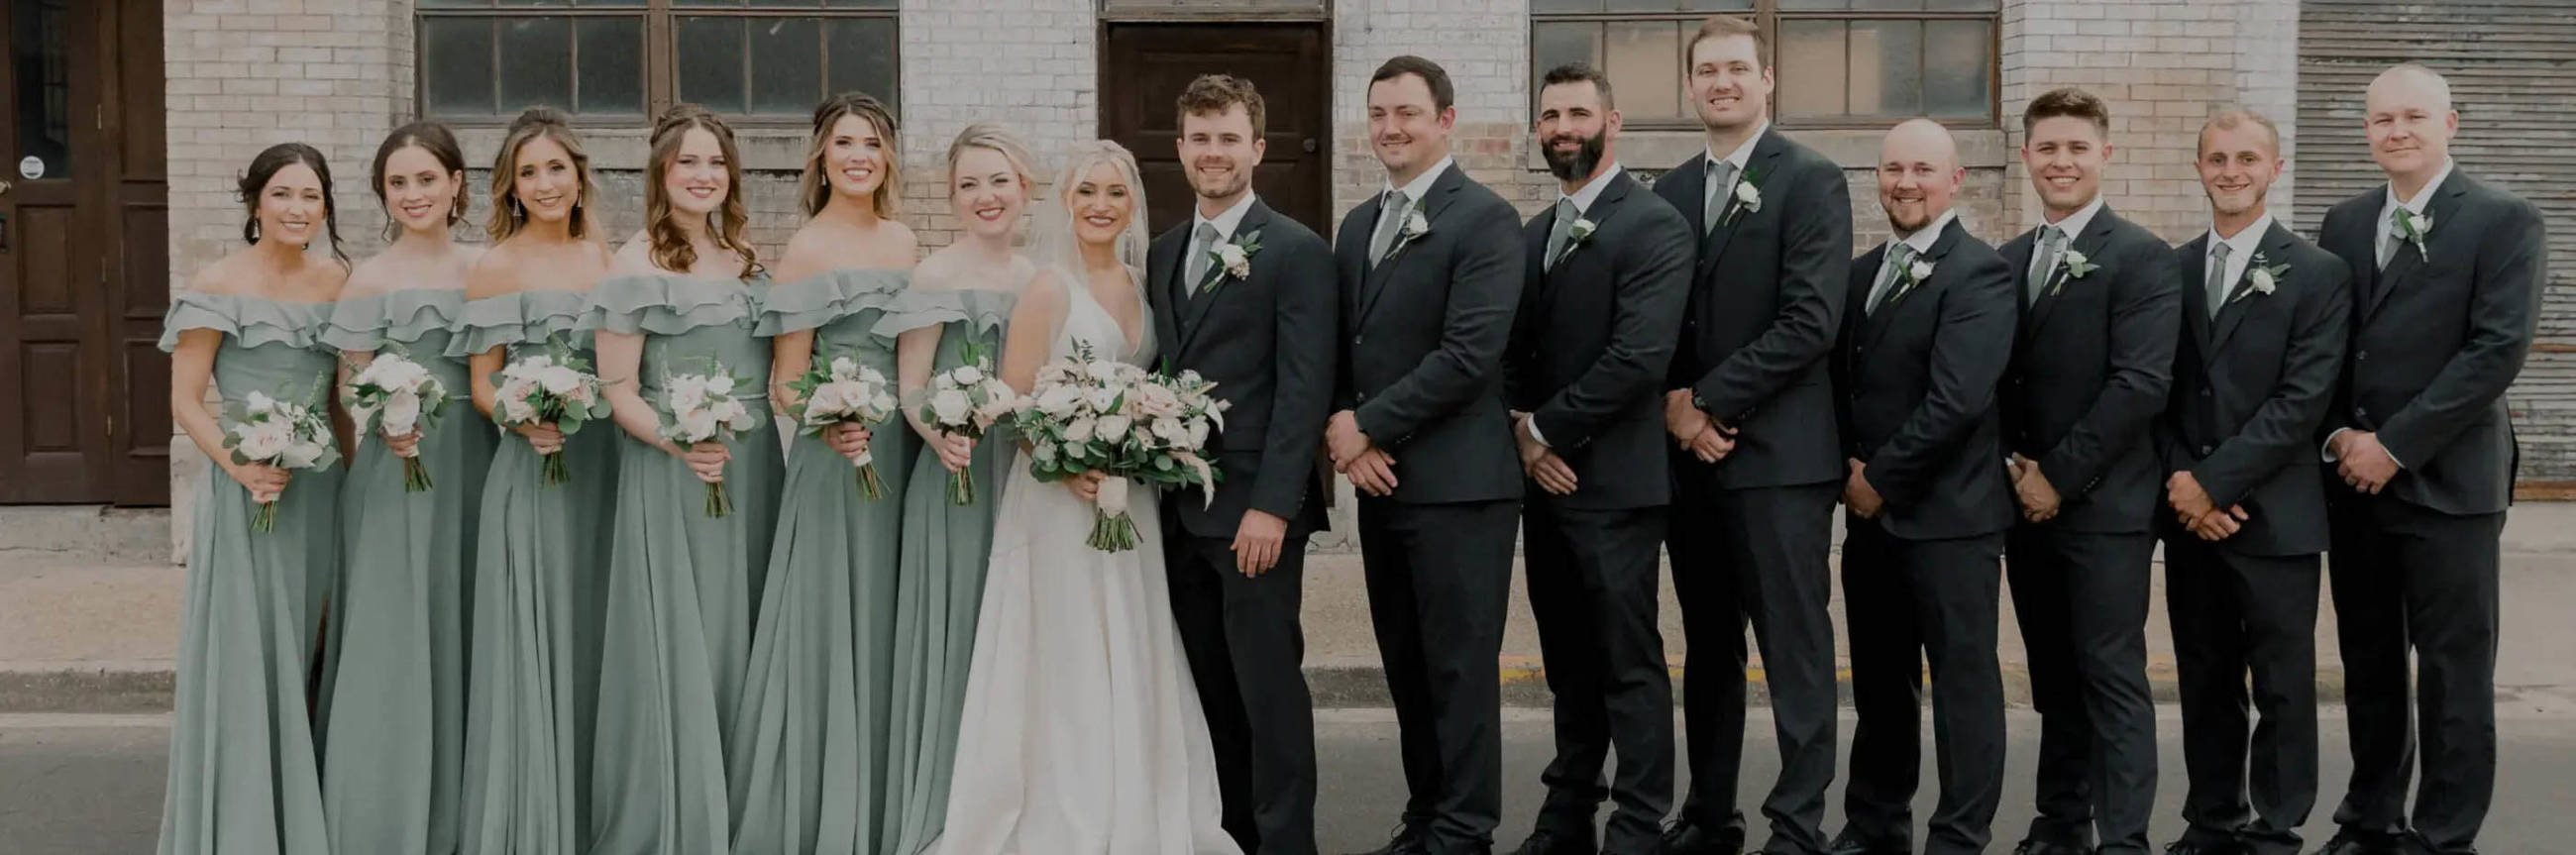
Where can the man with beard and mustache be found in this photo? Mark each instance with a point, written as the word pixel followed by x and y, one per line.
pixel 2101 304
pixel 1263 332
pixel 1929 335
pixel 1751 412
pixel 2264 317
pixel 1430 275
pixel 2420 453
pixel 1608 274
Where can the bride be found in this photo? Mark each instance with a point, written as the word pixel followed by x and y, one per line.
pixel 1082 732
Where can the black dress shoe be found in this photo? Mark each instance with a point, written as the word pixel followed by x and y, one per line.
pixel 2350 842
pixel 1549 841
pixel 1846 844
pixel 2050 847
pixel 1408 840
pixel 1685 837
pixel 2200 847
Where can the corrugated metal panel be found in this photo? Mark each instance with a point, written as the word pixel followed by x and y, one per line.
pixel 2508 62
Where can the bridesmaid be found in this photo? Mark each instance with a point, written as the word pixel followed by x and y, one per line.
pixel 243 775
pixel 967 289
pixel 541 549
pixel 395 698
pixel 812 728
pixel 681 582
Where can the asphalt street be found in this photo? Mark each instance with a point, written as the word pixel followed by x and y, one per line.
pixel 91 784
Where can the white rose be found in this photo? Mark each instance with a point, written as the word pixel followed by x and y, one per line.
pixel 259 402
pixel 968 375
pixel 719 384
pixel 1059 400
pixel 1198 435
pixel 843 366
pixel 1102 369
pixel 2261 279
pixel 517 411
pixel 402 413
pixel 950 407
pixel 1079 430
pixel 696 426
pixel 1103 399
pixel 1170 430
pixel 262 441
pixel 300 455
pixel 1921 270
pixel 558 380
pixel 1114 428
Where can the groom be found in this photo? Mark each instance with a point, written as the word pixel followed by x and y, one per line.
pixel 1245 298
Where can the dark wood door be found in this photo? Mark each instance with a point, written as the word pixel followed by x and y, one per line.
pixel 1147 65
pixel 84 416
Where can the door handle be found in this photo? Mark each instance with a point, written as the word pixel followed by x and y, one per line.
pixel 1308 145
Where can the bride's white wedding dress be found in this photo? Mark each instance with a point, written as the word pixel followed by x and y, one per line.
pixel 1082 732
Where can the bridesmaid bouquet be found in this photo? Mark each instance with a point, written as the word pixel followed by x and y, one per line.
pixel 702 408
pixel 967 401
pixel 555 386
pixel 277 432
pixel 1086 414
pixel 394 396
pixel 846 392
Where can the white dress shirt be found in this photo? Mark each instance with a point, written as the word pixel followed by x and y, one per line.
pixel 1743 153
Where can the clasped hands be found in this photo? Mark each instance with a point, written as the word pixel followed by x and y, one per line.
pixel 1370 469
pixel 2364 464
pixel 1693 430
pixel 2199 513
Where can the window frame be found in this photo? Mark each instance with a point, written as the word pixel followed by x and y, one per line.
pixel 1769 15
pixel 660 61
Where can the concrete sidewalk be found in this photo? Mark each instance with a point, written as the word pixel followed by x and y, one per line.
pixel 83 630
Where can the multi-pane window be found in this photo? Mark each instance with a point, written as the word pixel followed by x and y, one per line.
pixel 756 59
pixel 1838 62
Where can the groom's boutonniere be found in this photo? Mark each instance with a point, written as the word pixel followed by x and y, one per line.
pixel 1916 272
pixel 2414 228
pixel 1233 259
pixel 1747 198
pixel 1575 237
pixel 2264 277
pixel 1415 226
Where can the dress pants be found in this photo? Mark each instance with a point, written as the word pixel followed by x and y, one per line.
pixel 1909 601
pixel 2081 600
pixel 2409 578
pixel 1759 555
pixel 2233 614
pixel 1247 655
pixel 1592 579
pixel 1439 583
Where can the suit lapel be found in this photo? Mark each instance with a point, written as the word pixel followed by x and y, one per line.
pixel 2096 233
pixel 1443 191
pixel 2404 262
pixel 1605 208
pixel 1713 249
pixel 2240 294
pixel 2195 293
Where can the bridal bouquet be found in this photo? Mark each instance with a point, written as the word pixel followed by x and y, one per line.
pixel 701 408
pixel 278 432
pixel 966 400
pixel 554 386
pixel 395 396
pixel 845 392
pixel 1086 414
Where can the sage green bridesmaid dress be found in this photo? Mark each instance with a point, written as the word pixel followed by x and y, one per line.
pixel 243 773
pixel 682 584
pixel 540 567
pixel 808 766
pixel 939 587
pixel 394 707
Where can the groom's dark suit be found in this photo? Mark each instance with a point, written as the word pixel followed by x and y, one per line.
pixel 1587 359
pixel 2438 335
pixel 1267 342
pixel 1423 333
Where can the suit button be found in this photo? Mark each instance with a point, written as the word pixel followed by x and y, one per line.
pixel 1355 340
pixel 2204 393
pixel 2360 413
pixel 2361 356
pixel 2205 450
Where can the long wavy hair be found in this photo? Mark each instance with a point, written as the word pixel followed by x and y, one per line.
pixel 265 166
pixel 730 223
pixel 814 188
pixel 508 216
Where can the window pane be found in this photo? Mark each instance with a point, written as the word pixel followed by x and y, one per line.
pixel 1961 5
pixel 1716 6
pixel 787 65
pixel 862 4
pixel 709 57
pixel 456 65
pixel 1556 43
pixel 1811 68
pixel 611 71
pixel 538 54
pixel 1542 7
pixel 455 4
pixel 1957 68
pixel 862 58
pixel 1645 68
pixel 1886 68
pixel 533 2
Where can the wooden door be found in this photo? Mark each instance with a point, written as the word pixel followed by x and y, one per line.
pixel 84 416
pixel 1147 65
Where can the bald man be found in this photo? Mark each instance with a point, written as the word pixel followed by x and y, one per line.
pixel 1929 333
pixel 2420 458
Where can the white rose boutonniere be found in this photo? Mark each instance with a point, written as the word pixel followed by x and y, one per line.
pixel 1747 197
pixel 1915 273
pixel 1575 237
pixel 2264 277
pixel 1233 259
pixel 2414 228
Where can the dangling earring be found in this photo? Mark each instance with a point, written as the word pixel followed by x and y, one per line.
pixel 517 213
pixel 254 231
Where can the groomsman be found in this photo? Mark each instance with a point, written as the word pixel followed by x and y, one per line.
pixel 1608 270
pixel 1264 332
pixel 1927 505
pixel 1431 273
pixel 2264 315
pixel 1756 469
pixel 2446 294
pixel 2094 360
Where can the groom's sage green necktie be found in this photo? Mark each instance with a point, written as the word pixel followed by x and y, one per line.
pixel 1557 234
pixel 1390 219
pixel 1202 246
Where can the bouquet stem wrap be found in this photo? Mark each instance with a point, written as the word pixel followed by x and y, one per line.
pixel 1112 530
